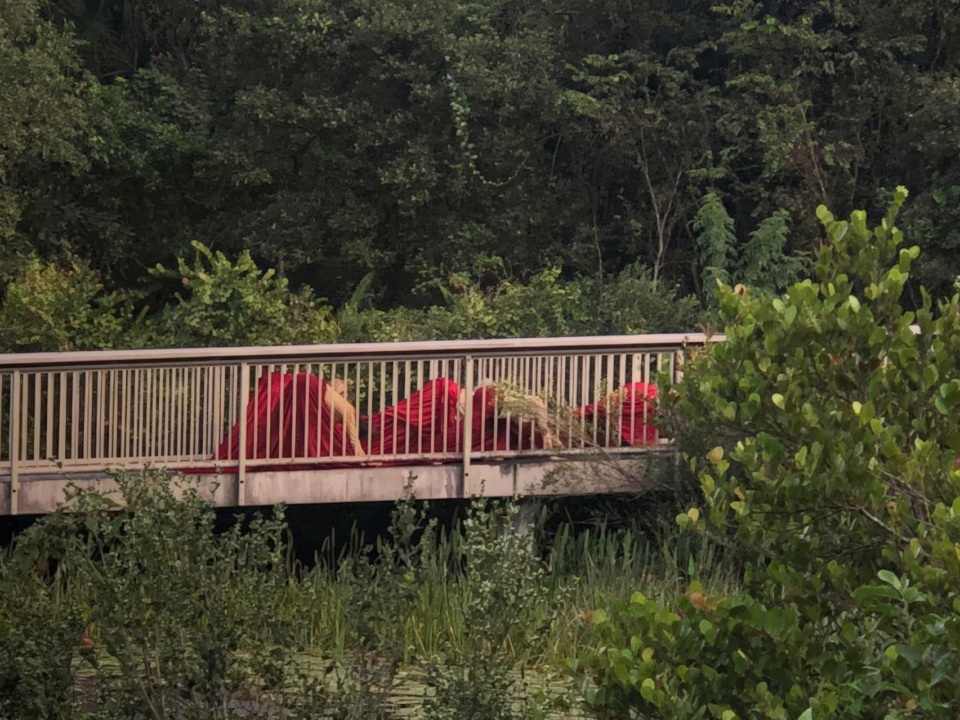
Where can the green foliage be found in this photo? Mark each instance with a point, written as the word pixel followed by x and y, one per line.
pixel 579 136
pixel 546 306
pixel 52 309
pixel 509 605
pixel 632 303
pixel 715 236
pixel 41 113
pixel 836 485
pixel 49 308
pixel 192 619
pixel 710 656
pixel 239 304
pixel 39 642
pixel 643 104
pixel 189 619
pixel 761 263
pixel 934 223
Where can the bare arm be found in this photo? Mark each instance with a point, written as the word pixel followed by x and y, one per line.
pixel 343 411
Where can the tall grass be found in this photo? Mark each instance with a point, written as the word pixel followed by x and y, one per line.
pixel 605 566
pixel 592 568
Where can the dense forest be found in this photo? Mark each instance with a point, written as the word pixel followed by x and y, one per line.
pixel 439 169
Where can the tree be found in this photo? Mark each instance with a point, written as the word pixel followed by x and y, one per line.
pixel 41 113
pixel 655 115
pixel 760 263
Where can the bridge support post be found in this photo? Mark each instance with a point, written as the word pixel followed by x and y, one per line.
pixel 14 442
pixel 467 428
pixel 242 460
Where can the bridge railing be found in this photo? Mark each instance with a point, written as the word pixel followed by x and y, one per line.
pixel 182 408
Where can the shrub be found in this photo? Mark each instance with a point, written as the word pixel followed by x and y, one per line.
pixel 238 304
pixel 52 308
pixel 545 306
pixel 837 486
pixel 40 631
pixel 193 619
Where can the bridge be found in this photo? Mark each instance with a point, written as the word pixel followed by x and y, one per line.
pixel 336 423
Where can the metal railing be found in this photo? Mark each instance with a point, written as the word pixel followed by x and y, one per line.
pixel 183 408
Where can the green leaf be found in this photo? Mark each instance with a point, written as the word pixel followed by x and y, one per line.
pixel 801 457
pixel 889 578
pixel 790 315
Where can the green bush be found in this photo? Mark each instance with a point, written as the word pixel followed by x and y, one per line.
pixel 837 487
pixel 238 304
pixel 40 633
pixel 55 308
pixel 52 308
pixel 193 621
pixel 545 306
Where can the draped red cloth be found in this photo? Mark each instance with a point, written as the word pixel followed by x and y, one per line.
pixel 427 421
pixel 632 407
pixel 287 418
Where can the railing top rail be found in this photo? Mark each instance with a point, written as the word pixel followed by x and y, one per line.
pixel 436 349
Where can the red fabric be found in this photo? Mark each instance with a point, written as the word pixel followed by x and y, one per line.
pixel 430 413
pixel 486 419
pixel 428 416
pixel 280 399
pixel 633 404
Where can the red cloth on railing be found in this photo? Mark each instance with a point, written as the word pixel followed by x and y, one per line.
pixel 286 419
pixel 425 422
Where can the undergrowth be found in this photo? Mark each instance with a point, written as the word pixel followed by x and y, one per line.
pixel 185 622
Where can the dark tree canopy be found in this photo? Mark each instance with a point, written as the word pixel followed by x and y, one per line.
pixel 411 143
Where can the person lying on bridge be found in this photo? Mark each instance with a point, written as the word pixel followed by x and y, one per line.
pixel 304 416
pixel 296 416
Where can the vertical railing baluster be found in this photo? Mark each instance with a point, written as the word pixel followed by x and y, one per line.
pixel 369 406
pixel 468 429
pixel 323 405
pixel 357 404
pixel 646 390
pixel 62 435
pixel 242 452
pixel 420 412
pixel 36 418
pixel 622 394
pixel 394 397
pixel 15 443
pixel 381 403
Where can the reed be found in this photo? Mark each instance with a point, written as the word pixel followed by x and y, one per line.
pixel 592 568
